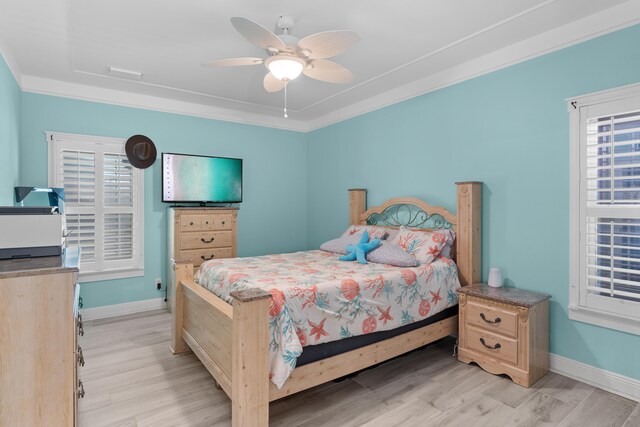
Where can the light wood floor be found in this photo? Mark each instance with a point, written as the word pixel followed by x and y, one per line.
pixel 131 379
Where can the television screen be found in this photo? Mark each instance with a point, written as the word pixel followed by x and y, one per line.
pixel 188 178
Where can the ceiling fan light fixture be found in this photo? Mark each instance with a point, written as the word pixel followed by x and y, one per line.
pixel 285 67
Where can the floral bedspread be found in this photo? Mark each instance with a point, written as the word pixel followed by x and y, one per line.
pixel 316 298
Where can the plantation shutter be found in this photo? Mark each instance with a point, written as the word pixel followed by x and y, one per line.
pixel 610 207
pixel 118 208
pixel 103 204
pixel 78 177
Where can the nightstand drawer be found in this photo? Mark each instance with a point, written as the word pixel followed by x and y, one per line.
pixel 493 345
pixel 496 319
pixel 203 240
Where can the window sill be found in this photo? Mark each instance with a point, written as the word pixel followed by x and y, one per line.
pixel 605 319
pixel 98 276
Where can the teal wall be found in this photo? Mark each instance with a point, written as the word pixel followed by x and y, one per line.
pixel 509 129
pixel 9 133
pixel 271 219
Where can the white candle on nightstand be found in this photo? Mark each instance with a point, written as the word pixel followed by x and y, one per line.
pixel 495 278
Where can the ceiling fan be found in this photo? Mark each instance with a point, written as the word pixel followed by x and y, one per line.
pixel 288 56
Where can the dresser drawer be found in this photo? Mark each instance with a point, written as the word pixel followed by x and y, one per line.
pixel 495 319
pixel 199 256
pixel 493 345
pixel 206 239
pixel 191 223
pixel 218 222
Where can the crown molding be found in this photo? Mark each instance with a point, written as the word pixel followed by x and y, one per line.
pixel 592 26
pixel 587 28
pixel 82 92
pixel 11 64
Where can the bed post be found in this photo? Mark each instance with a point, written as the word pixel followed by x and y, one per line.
pixel 357 205
pixel 183 271
pixel 468 245
pixel 250 359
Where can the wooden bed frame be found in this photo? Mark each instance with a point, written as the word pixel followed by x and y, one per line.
pixel 232 340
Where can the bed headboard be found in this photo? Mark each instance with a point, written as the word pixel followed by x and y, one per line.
pixel 412 212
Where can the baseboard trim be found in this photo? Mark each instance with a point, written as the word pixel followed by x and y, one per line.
pixel 606 380
pixel 122 309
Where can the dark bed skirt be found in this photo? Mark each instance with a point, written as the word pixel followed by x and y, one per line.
pixel 313 353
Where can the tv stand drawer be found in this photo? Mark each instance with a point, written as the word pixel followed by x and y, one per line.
pixel 205 239
pixel 199 256
pixel 191 223
pixel 218 222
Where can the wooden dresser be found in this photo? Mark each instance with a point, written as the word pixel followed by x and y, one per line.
pixel 505 331
pixel 200 234
pixel 39 325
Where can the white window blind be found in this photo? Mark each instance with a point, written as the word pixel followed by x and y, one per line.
pixel 608 212
pixel 103 203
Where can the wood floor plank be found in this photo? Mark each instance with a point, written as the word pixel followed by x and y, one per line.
pixel 566 389
pixel 508 392
pixel 314 402
pixel 634 418
pixel 414 413
pixel 540 410
pixel 602 409
pixel 480 411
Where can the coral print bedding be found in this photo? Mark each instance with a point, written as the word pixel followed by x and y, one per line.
pixel 316 298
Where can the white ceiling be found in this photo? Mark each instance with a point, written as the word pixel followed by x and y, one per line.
pixel 408 47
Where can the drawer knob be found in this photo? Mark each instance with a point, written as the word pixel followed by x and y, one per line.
pixel 206 222
pixel 495 347
pixel 493 322
pixel 207 241
pixel 191 223
pixel 222 222
pixel 205 258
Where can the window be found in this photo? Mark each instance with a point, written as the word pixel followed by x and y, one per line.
pixel 605 209
pixel 103 204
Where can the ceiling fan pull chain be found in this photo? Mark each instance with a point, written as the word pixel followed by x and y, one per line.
pixel 286 83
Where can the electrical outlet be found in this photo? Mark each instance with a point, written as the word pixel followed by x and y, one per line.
pixel 158 283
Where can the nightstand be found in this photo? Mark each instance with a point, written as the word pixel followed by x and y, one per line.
pixel 505 331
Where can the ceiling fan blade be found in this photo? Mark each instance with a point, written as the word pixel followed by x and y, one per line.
pixel 256 33
pixel 271 84
pixel 328 71
pixel 328 43
pixel 234 62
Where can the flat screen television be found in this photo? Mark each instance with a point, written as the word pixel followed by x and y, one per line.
pixel 200 179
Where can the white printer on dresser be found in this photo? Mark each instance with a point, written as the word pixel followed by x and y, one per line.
pixel 30 232
pixel 27 232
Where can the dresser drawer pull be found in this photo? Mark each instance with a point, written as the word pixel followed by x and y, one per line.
pixel 80 357
pixel 205 258
pixel 80 389
pixel 493 322
pixel 495 347
pixel 80 326
pixel 207 241
pixel 223 222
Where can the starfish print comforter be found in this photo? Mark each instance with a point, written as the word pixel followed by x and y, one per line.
pixel 317 299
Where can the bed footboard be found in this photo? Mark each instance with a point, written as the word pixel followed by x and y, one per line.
pixel 232 341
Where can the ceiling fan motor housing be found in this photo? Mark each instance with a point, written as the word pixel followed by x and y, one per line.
pixel 285 23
